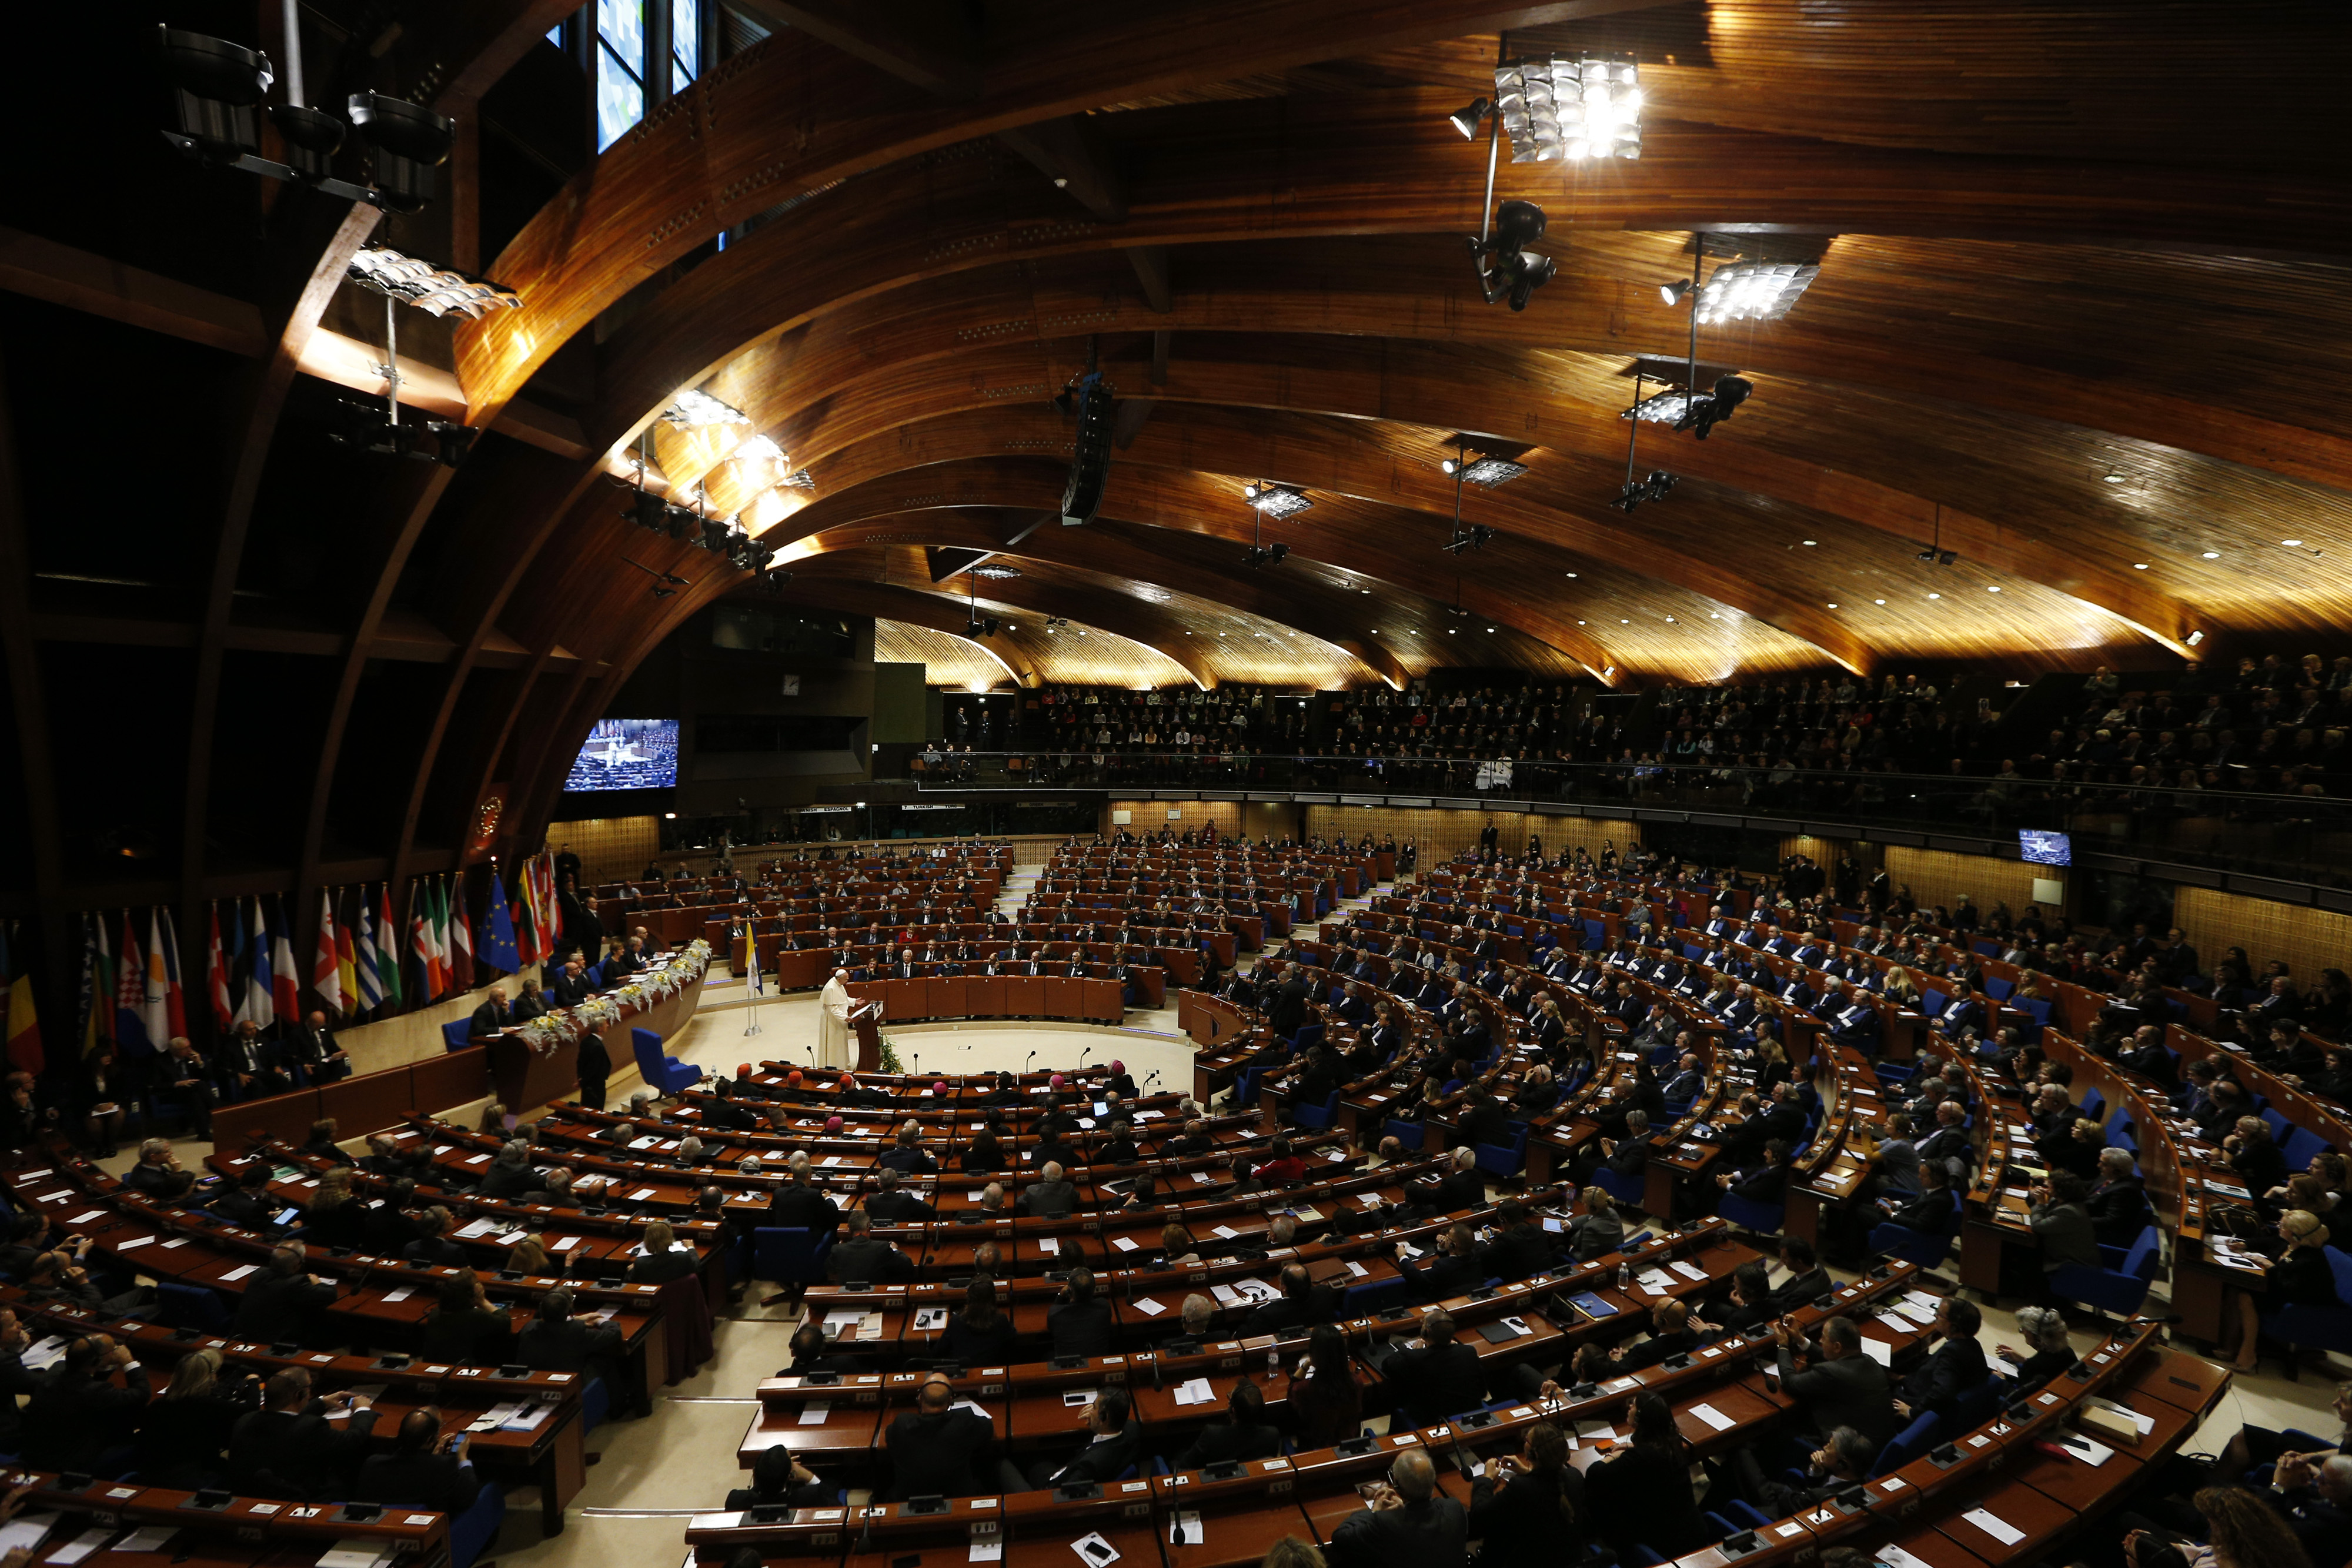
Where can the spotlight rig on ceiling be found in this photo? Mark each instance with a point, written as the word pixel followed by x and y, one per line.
pixel 1474 536
pixel 1264 498
pixel 975 624
pixel 1557 109
pixel 665 583
pixel 218 91
pixel 1933 552
pixel 436 291
pixel 1659 484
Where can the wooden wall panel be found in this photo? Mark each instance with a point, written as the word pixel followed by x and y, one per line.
pixel 2309 940
pixel 1938 876
pixel 611 849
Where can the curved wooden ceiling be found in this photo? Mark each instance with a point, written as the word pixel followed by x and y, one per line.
pixel 2079 325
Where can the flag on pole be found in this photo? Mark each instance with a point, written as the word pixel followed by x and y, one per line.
pixel 259 1007
pixel 216 976
pixel 97 984
pixel 24 1031
pixel 420 941
pixel 175 1001
pixel 387 949
pixel 130 995
pixel 285 980
pixel 526 918
pixel 499 937
pixel 363 958
pixel 326 969
pixel 437 892
pixel 156 1016
pixel 347 968
pixel 461 937
pixel 752 953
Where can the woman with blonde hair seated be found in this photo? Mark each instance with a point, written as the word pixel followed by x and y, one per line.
pixel 2299 1277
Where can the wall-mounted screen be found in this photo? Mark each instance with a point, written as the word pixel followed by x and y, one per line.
pixel 626 754
pixel 2044 848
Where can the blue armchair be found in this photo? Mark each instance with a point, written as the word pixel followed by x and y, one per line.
pixel 2118 1291
pixel 457 1035
pixel 663 1074
pixel 790 1255
pixel 2317 1328
pixel 1506 1159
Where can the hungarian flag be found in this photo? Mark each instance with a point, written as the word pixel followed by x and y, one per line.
pixel 366 961
pixel 130 995
pixel 216 978
pixel 285 980
pixel 326 969
pixel 461 938
pixel 23 1033
pixel 256 1007
pixel 387 949
pixel 499 944
pixel 346 967
pixel 164 937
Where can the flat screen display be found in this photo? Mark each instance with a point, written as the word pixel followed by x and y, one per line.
pixel 2044 848
pixel 626 754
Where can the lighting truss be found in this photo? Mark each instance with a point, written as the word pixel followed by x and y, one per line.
pixel 1276 501
pixel 1753 291
pixel 692 408
pixel 1562 109
pixel 1484 472
pixel 1635 491
pixel 435 291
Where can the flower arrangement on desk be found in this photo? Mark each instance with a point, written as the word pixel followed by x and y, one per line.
pixel 551 1031
pixel 596 1012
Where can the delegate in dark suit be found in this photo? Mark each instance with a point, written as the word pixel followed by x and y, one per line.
pixel 1430 1533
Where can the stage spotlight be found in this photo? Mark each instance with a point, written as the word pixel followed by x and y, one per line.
pixel 1672 293
pixel 1702 414
pixel 410 143
pixel 216 92
pixel 1472 538
pixel 1559 108
pixel 647 510
pixel 692 408
pixel 1467 118
pixel 1507 269
pixel 1265 555
pixel 1276 501
pixel 455 441
pixel 683 524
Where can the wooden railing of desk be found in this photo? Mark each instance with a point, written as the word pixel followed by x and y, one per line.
pixel 243 1523
pixel 550 1455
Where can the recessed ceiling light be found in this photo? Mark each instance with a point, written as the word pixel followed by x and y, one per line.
pixel 1992 588
pixel 2139 566
pixel 2291 544
pixel 1670 620
pixel 1579 623
pixel 1490 630
pixel 1622 621
pixel 1449 631
pixel 1364 591
pixel 2212 555
pixel 1935 596
pixel 1570 574
pixel 1712 615
pixel 1833 606
pixel 1376 630
pixel 1808 542
pixel 1878 602
pixel 2114 478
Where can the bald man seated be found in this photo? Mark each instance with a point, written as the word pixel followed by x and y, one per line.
pixel 1409 1523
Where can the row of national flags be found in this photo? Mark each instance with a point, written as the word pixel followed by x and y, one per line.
pixel 373 956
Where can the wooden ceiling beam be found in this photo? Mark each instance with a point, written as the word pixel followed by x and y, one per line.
pixel 926 44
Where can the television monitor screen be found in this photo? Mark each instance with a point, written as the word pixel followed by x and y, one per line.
pixel 2044 848
pixel 626 754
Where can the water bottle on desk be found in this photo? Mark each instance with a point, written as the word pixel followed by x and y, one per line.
pixel 1624 1275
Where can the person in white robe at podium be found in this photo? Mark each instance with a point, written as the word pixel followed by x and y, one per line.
pixel 833 1047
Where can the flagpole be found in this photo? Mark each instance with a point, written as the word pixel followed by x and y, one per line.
pixel 751 950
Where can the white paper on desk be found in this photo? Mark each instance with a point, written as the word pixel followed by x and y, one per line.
pixel 86 1219
pixel 182 1242
pixel 134 1241
pixel 355 1551
pixel 1878 1350
pixel 151 1538
pixel 1200 1178
pixel 1690 1270
pixel 1992 1524
pixel 1372 1200
pixel 648 1142
pixel 566 1243
pixel 402 1294
pixel 476 1159
pixel 1306 1212
pixel 1357 1269
pixel 1895 1557
pixel 240 1271
pixel 1657 1281
pixel 814 1412
pixel 987 1551
pixel 642 1194
pixel 27 1531
pixel 1225 1294
pixel 1184 1529
pixel 1596 1432
pixel 1195 1391
pixel 1050 1245
pixel 1713 1417
pixel 928 1317
pixel 1147 1306
pixel 82 1545
pixel 973 1196
pixel 1123 1244
pixel 843 1317
pixel 1094 1550
pixel 834 1159
pixel 1227 1231
pixel 968 1405
pixel 2084 1448
pixel 1916 1312
pixel 478 1227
